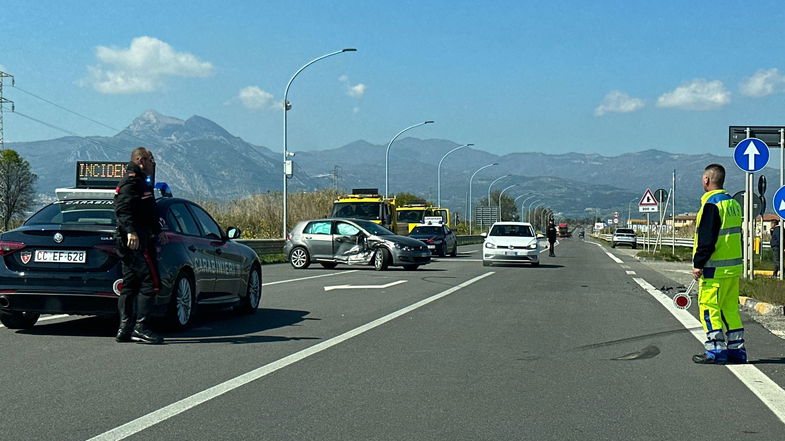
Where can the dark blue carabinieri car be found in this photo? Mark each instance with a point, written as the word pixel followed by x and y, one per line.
pixel 63 260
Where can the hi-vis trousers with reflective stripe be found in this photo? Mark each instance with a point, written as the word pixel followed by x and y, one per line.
pixel 718 300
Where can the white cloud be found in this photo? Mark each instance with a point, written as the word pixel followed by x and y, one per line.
pixel 253 97
pixel 617 101
pixel 763 83
pixel 142 67
pixel 343 78
pixel 699 94
pixel 356 91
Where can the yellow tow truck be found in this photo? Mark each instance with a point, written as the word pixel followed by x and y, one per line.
pixel 368 204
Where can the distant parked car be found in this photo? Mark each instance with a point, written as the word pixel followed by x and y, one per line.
pixel 511 242
pixel 439 239
pixel 624 236
pixel 353 242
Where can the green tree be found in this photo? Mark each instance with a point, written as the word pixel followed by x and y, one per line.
pixel 17 187
pixel 408 198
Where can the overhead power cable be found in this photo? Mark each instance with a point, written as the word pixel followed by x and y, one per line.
pixel 102 145
pixel 66 109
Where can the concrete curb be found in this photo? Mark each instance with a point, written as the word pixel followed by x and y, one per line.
pixel 763 308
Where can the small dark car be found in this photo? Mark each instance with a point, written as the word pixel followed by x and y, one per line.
pixel 63 260
pixel 439 239
pixel 353 242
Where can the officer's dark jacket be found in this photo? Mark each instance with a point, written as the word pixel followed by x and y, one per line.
pixel 551 233
pixel 134 205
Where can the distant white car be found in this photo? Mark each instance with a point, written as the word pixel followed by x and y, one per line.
pixel 624 236
pixel 511 242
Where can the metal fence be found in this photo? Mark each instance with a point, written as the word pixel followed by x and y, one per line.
pixel 664 241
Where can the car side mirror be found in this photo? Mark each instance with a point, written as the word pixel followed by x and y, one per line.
pixel 234 233
pixel 483 234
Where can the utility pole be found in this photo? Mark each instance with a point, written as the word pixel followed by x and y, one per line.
pixel 336 176
pixel 4 101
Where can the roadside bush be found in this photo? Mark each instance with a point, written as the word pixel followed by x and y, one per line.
pixel 260 216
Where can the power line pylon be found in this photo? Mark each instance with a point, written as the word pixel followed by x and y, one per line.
pixel 4 101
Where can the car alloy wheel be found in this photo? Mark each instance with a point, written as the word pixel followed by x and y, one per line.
pixel 253 295
pixel 381 259
pixel 299 258
pixel 182 302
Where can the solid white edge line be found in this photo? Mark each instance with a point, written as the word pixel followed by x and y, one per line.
pixel 769 392
pixel 309 277
pixel 185 404
pixel 615 259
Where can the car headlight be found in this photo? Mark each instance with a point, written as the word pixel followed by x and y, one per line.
pixel 489 245
pixel 403 247
pixel 533 246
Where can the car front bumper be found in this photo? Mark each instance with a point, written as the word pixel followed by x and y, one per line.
pixel 510 256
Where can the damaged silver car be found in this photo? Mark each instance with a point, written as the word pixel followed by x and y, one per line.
pixel 352 242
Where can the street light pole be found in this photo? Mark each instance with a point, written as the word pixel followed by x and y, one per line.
pixel 439 174
pixel 500 200
pixel 515 206
pixel 489 187
pixel 387 155
pixel 469 202
pixel 287 168
pixel 531 206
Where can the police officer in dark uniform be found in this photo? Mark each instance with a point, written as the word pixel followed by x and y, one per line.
pixel 551 234
pixel 137 228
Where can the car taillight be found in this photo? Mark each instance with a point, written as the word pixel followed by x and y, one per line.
pixel 7 248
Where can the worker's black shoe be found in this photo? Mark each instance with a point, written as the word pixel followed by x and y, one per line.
pixel 123 335
pixel 705 359
pixel 143 335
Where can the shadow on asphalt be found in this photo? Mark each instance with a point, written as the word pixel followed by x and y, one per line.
pixel 768 361
pixel 224 324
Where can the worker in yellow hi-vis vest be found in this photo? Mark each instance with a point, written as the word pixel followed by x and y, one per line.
pixel 717 264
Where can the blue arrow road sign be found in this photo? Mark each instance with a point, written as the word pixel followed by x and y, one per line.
pixel 778 202
pixel 751 155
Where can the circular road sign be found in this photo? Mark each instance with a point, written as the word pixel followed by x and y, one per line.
pixel 751 154
pixel 778 202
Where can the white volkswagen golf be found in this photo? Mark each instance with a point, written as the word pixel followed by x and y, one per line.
pixel 511 242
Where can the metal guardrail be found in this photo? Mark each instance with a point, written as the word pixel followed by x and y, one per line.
pixel 664 241
pixel 275 246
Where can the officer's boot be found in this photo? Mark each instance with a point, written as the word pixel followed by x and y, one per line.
pixel 142 332
pixel 125 307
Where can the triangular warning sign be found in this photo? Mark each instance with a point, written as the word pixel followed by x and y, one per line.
pixel 648 199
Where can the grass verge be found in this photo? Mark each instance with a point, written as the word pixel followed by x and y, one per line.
pixel 271 258
pixel 765 289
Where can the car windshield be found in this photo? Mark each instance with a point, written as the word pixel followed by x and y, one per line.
pixel 426 230
pixel 356 210
pixel 411 216
pixel 512 230
pixel 75 212
pixel 375 229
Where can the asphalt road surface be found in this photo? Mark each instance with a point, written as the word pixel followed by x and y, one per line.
pixel 584 347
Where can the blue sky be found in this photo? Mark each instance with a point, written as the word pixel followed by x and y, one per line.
pixel 508 76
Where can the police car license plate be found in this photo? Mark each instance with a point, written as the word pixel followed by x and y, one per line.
pixel 60 256
pixel 431 247
pixel 510 253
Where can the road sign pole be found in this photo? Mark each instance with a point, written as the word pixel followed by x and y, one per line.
pixel 648 232
pixel 782 167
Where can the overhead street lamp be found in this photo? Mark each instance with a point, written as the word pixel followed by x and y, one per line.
pixel 523 218
pixel 387 155
pixel 469 201
pixel 489 187
pixel 531 206
pixel 514 201
pixel 439 174
pixel 500 200
pixel 287 163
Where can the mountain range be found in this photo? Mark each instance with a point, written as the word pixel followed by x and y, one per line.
pixel 202 161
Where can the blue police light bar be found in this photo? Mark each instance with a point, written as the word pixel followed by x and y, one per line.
pixel 163 189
